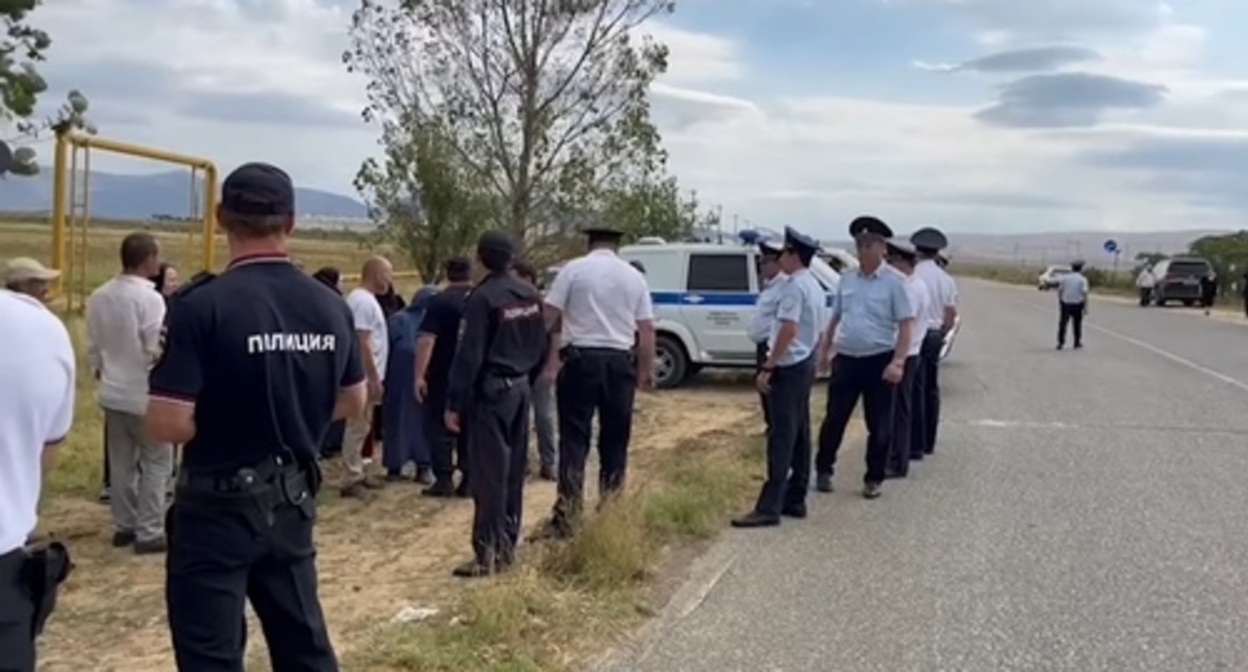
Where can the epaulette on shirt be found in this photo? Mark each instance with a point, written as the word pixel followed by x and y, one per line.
pixel 198 280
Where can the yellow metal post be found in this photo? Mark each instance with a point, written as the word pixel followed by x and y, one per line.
pixel 210 215
pixel 60 198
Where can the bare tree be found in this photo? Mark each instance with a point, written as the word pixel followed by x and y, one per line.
pixel 544 100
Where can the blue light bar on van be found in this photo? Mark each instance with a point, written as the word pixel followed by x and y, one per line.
pixel 749 236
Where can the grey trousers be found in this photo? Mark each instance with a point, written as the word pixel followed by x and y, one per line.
pixel 543 399
pixel 140 469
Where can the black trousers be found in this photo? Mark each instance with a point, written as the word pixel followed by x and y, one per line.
pixel 855 378
pixel 901 451
pixel 228 548
pixel 1146 295
pixel 104 443
pixel 787 406
pixel 498 452
pixel 1070 314
pixel 593 380
pixel 760 356
pixel 447 451
pixel 929 377
pixel 17 614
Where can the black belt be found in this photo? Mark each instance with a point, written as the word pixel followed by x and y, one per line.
pixel 570 351
pixel 269 484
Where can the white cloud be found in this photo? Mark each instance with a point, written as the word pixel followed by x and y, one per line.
pixel 813 161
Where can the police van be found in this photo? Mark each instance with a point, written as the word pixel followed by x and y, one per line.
pixel 704 295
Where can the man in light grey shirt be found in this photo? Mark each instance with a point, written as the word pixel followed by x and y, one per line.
pixel 125 317
pixel 1072 298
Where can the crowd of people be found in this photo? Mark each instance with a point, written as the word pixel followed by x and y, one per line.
pixel 253 376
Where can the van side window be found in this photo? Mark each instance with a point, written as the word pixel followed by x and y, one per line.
pixel 719 273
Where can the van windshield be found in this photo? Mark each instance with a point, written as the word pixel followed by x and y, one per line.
pixel 824 274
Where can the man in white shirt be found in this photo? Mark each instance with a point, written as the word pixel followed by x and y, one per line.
pixel 36 411
pixel 370 324
pixel 902 257
pixel 1145 282
pixel 938 318
pixel 604 307
pixel 1072 304
pixel 125 317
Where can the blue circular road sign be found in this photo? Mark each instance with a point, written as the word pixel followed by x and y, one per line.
pixel 1111 246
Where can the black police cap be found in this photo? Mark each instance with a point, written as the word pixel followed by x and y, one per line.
pixel 871 225
pixel 929 238
pixel 258 190
pixel 800 242
pixel 602 234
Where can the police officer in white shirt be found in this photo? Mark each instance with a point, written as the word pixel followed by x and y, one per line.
pixel 902 257
pixel 37 369
pixel 937 319
pixel 602 307
pixel 124 320
pixel 764 317
pixel 1072 304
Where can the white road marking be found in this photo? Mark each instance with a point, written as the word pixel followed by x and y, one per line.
pixel 1222 377
pixel 704 591
pixel 1020 424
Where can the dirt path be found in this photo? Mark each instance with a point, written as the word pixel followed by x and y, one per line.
pixel 375 557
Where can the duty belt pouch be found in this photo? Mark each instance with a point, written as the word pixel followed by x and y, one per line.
pixel 46 567
pixel 569 353
pixel 297 490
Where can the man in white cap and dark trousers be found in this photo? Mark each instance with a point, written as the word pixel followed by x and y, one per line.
pixel 784 379
pixel 759 329
pixel 601 306
pixel 867 341
pixel 939 316
pixel 902 258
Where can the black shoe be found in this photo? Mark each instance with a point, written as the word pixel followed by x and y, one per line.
pixel 823 482
pixel 151 546
pixel 122 538
pixel 1078 346
pixel 462 491
pixel 916 457
pixel 871 490
pixel 1060 346
pixel 474 570
pixel 548 473
pixel 756 519
pixel 794 511
pixel 551 530
pixel 441 488
pixel 104 496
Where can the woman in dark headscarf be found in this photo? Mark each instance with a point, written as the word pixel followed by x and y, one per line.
pixel 402 417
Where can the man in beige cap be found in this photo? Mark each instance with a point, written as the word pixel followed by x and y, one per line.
pixel 27 276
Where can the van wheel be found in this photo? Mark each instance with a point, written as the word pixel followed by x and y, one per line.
pixel 671 364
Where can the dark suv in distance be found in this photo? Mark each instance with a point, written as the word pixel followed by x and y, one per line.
pixel 1178 279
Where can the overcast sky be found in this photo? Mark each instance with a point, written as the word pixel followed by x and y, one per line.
pixel 974 115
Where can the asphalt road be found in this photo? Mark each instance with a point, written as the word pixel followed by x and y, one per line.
pixel 1086 510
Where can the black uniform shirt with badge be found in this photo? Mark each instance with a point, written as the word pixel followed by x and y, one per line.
pixel 502 335
pixel 261 350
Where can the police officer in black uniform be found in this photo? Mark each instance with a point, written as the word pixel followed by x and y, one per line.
pixel 257 362
pixel 502 350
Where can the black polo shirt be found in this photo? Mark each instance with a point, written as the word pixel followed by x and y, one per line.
pixel 261 350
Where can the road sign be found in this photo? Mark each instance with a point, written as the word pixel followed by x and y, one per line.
pixel 1111 246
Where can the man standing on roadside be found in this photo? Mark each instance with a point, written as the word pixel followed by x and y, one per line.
pixel 759 329
pixel 902 258
pixel 602 306
pixel 1072 304
pixel 436 342
pixel 784 379
pixel 124 320
pixel 370 327
pixel 865 346
pixel 938 318
pixel 37 371
pixel 1145 282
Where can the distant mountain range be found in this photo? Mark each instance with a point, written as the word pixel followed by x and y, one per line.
pixel 154 195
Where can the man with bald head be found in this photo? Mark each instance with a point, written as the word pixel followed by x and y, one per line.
pixel 370 325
